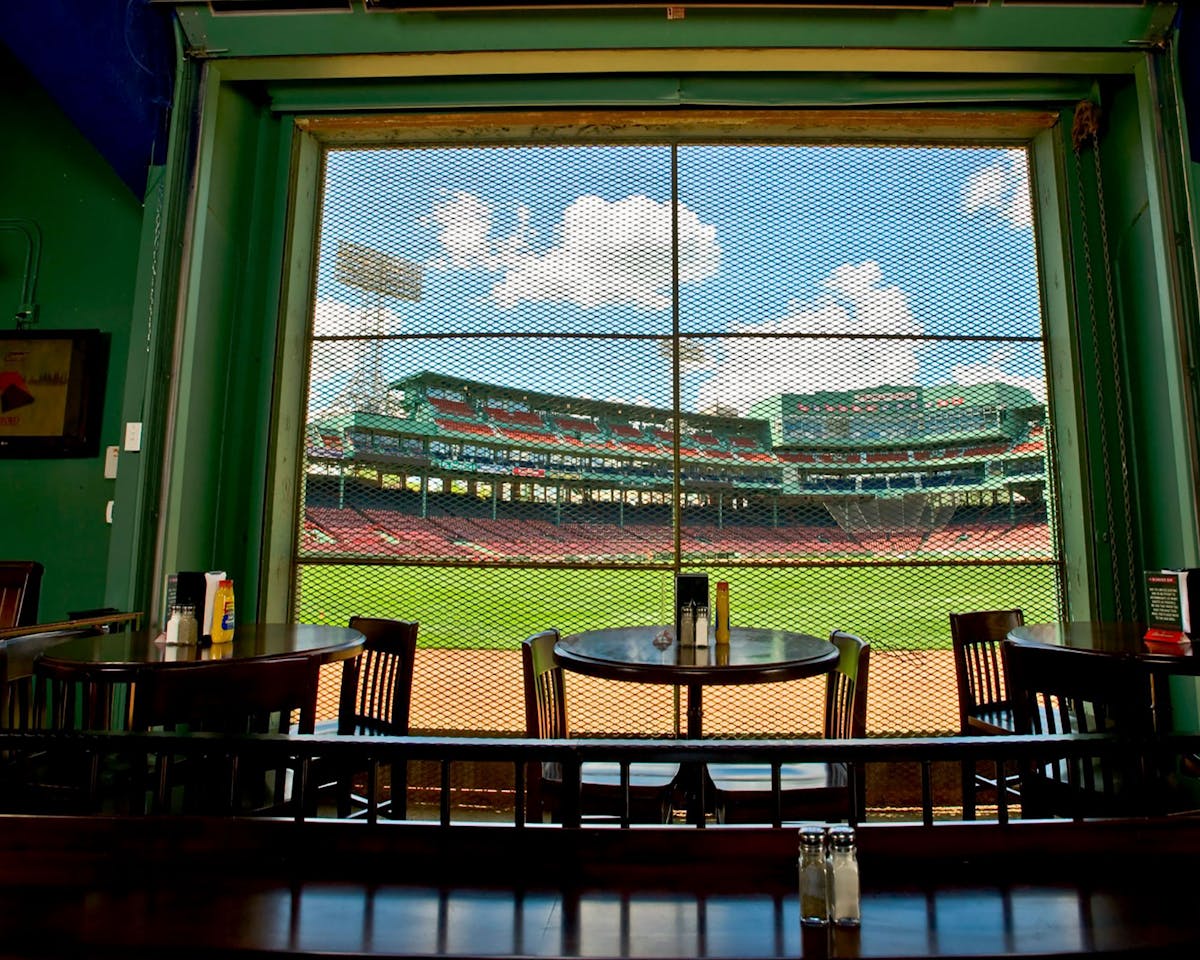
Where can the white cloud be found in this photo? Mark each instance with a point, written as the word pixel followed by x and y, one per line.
pixel 464 226
pixel 992 370
pixel 857 301
pixel 605 253
pixel 1003 188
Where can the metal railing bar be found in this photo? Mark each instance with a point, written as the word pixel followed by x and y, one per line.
pixel 299 752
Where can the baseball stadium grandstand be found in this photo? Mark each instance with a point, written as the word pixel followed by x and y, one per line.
pixel 478 473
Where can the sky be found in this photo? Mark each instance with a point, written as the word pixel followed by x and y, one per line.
pixel 800 268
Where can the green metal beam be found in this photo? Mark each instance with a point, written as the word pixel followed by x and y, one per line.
pixel 974 29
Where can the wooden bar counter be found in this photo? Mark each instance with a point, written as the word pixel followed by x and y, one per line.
pixel 184 887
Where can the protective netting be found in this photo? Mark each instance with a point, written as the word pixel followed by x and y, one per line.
pixel 545 378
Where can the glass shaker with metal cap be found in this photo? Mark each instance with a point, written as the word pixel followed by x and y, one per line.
pixel 814 877
pixel 845 899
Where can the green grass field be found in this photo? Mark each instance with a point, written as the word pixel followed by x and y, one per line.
pixel 896 608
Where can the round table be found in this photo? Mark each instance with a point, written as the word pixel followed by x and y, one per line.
pixel 127 651
pixel 1112 639
pixel 751 656
pixel 1128 640
pixel 109 661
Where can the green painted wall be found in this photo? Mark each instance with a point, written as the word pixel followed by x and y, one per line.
pixel 219 451
pixel 53 510
pixel 211 416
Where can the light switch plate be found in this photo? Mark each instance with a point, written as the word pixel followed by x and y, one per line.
pixel 133 436
pixel 110 462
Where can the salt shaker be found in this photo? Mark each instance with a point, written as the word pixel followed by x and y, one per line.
pixel 846 910
pixel 814 877
pixel 702 626
pixel 172 631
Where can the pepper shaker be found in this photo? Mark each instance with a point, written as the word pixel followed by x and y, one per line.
pixel 189 627
pixel 814 877
pixel 687 626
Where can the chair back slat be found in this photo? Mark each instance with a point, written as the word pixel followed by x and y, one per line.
pixel 1057 690
pixel 376 695
pixel 545 688
pixel 646 795
pixel 231 697
pixel 20 588
pixel 846 688
pixel 976 637
pixel 234 696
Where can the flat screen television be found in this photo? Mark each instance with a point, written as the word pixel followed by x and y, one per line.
pixel 51 392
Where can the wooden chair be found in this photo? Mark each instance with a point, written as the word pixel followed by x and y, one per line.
pixel 808 791
pixel 1056 690
pixel 32 779
pixel 651 785
pixel 20 588
pixel 375 700
pixel 984 708
pixel 229 697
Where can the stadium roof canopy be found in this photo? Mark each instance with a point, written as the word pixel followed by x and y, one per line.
pixel 565 403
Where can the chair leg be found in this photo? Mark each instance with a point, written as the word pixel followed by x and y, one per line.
pixel 344 790
pixel 398 774
pixel 968 789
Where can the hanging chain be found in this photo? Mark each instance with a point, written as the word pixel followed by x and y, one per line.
pixel 152 304
pixel 1118 385
pixel 1086 132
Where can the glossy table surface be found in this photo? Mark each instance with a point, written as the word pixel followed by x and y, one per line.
pixel 172 887
pixel 127 650
pixel 1114 639
pixel 751 656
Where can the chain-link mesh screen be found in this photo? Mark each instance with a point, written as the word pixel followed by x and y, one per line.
pixel 544 379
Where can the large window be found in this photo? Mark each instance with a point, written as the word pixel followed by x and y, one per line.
pixel 545 377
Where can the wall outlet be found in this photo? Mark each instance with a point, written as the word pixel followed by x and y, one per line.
pixel 133 437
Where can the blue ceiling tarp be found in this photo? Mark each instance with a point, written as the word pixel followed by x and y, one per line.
pixel 108 64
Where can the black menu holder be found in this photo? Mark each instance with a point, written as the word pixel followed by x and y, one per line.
pixel 1172 604
pixel 184 589
pixel 689 588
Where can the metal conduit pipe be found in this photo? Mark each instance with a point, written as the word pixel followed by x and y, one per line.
pixel 26 315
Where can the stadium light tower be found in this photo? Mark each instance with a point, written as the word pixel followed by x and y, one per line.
pixel 382 276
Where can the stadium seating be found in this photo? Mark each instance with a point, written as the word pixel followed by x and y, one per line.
pixel 456 408
pixel 869 493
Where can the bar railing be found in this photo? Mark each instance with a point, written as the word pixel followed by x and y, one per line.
pixel 312 759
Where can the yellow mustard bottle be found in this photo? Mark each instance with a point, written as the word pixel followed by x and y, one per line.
pixel 722 612
pixel 222 621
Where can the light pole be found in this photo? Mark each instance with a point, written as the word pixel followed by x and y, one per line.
pixel 380 275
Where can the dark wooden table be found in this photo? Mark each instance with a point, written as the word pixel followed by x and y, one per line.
pixel 152 887
pixel 125 652
pixel 1160 660
pixel 751 656
pixel 103 663
pixel 1113 639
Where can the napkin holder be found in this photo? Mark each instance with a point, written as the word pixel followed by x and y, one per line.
pixel 690 588
pixel 192 588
